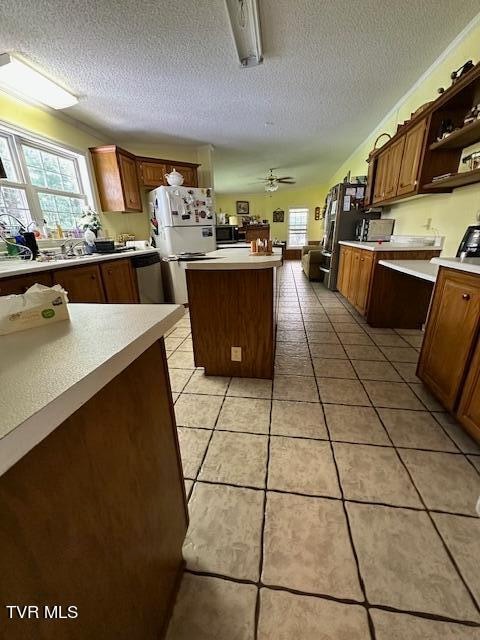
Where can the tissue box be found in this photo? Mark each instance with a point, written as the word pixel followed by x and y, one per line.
pixel 37 307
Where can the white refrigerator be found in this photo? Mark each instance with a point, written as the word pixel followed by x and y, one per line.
pixel 183 221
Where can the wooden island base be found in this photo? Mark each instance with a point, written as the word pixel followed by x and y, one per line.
pixel 95 516
pixel 233 308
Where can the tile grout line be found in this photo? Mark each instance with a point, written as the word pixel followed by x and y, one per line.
pixel 426 509
pixel 345 513
pixel 434 524
pixel 432 521
pixel 333 498
pixel 195 480
pixel 259 584
pixel 264 516
pixel 476 605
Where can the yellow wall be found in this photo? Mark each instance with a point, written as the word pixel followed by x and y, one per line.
pixel 450 213
pixel 66 132
pixel 263 204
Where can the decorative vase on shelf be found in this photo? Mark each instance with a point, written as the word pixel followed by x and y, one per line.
pixel 174 178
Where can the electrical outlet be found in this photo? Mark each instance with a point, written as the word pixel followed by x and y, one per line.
pixel 236 354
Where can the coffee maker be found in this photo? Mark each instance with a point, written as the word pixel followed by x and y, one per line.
pixel 470 244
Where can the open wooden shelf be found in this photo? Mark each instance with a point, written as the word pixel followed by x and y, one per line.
pixel 455 180
pixel 464 137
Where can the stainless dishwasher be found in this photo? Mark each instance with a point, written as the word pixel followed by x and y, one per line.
pixel 149 277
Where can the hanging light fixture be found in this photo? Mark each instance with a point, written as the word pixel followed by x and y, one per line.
pixel 20 78
pixel 245 22
pixel 271 186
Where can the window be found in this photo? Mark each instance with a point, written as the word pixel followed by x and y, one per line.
pixel 297 227
pixel 45 186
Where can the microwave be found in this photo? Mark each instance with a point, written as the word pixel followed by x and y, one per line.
pixel 226 233
pixel 371 230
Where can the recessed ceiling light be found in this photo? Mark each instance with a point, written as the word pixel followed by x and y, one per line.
pixel 20 78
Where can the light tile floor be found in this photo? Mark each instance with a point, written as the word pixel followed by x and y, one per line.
pixel 336 503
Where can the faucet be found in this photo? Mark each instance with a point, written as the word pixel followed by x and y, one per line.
pixel 66 248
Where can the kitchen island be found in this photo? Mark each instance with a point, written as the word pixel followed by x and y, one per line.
pixel 232 302
pixel 93 509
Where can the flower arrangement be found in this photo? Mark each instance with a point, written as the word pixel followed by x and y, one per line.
pixel 90 220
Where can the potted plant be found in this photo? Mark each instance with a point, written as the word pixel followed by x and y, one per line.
pixel 90 220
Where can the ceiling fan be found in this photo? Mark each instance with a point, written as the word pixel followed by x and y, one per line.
pixel 272 181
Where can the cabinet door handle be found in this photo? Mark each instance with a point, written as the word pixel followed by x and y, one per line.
pixel 466 296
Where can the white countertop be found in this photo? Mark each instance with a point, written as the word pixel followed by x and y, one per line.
pixel 423 269
pixel 234 259
pixel 472 265
pixel 15 267
pixel 388 246
pixel 47 373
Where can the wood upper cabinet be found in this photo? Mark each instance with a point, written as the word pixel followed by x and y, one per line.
pixel 398 167
pixel 117 179
pixel 412 153
pixel 83 284
pixel 19 284
pixel 451 330
pixel 152 174
pixel 189 173
pixel 392 172
pixel 372 166
pixel 129 178
pixel 469 410
pixel 119 281
pixel 362 282
pixel 380 177
pixel 120 174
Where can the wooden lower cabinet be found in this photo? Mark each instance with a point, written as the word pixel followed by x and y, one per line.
pixel 450 334
pixel 362 282
pixel 355 273
pixel 111 281
pixel 469 410
pixel 95 515
pixel 119 282
pixel 365 269
pixel 83 284
pixel 344 270
pixel 19 284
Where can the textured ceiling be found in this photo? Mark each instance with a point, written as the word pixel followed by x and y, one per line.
pixel 160 71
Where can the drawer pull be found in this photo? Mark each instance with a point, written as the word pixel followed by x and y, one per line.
pixel 466 296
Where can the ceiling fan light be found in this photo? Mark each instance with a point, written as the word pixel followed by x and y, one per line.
pixel 244 18
pixel 19 78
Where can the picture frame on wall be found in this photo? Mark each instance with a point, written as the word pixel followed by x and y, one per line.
pixel 243 207
pixel 278 215
pixel 317 213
